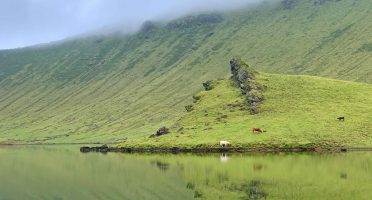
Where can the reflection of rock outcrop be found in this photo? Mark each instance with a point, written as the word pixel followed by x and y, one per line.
pixel 254 190
pixel 197 193
pixel 257 167
pixel 190 186
pixel 343 175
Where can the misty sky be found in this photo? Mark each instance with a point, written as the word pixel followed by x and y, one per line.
pixel 28 22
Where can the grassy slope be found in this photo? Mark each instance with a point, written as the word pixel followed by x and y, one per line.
pixel 298 111
pixel 112 87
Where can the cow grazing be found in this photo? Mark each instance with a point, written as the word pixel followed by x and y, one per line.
pixel 257 130
pixel 341 118
pixel 224 143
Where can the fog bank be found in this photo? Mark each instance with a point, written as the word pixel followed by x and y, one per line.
pixel 29 22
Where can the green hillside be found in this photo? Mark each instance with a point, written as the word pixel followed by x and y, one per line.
pixel 113 88
pixel 297 111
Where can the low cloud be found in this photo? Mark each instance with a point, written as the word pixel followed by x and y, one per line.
pixel 29 22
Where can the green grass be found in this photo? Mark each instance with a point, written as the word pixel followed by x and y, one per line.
pixel 298 111
pixel 109 88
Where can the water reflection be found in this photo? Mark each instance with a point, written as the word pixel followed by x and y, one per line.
pixel 163 166
pixel 64 173
pixel 224 157
pixel 257 167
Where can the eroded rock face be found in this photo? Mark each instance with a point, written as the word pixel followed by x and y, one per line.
pixel 195 21
pixel 244 77
pixel 241 72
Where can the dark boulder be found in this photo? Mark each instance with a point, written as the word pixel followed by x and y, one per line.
pixel 196 98
pixel 162 131
pixel 189 108
pixel 84 149
pixel 208 85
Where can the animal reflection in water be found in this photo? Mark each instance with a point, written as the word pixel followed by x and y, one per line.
pixel 224 157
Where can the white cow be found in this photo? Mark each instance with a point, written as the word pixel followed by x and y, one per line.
pixel 224 143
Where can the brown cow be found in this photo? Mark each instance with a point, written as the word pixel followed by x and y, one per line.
pixel 257 130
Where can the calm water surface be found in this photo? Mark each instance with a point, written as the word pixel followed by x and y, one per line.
pixel 65 173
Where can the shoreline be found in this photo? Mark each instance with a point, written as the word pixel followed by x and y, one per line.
pixel 176 150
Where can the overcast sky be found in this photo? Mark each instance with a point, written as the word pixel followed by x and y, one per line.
pixel 28 22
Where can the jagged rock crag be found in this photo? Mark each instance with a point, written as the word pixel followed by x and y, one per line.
pixel 196 21
pixel 244 77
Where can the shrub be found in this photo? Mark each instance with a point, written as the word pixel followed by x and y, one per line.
pixel 189 108
pixel 208 85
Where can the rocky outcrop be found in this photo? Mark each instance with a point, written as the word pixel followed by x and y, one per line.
pixel 195 21
pixel 162 131
pixel 244 77
pixel 208 85
pixel 104 149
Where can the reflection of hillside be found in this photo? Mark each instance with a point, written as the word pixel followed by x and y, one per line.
pixel 274 176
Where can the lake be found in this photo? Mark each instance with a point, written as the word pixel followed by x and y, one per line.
pixel 62 172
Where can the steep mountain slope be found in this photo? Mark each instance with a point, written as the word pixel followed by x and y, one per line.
pixel 109 88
